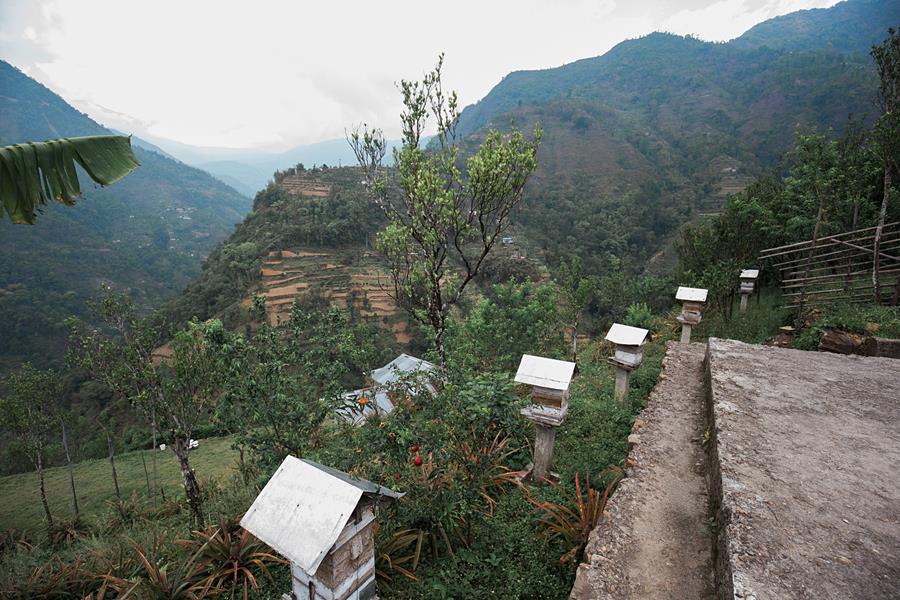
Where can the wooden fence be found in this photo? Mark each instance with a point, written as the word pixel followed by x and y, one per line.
pixel 838 268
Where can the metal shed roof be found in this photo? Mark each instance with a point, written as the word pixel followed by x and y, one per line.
pixel 400 366
pixel 691 294
pixel 626 335
pixel 749 273
pixel 303 509
pixel 545 372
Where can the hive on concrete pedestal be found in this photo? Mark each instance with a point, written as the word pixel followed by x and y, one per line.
pixel 322 521
pixel 748 285
pixel 692 301
pixel 549 380
pixel 629 341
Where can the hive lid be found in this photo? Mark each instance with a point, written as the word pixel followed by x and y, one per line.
pixel 691 294
pixel 625 335
pixel 749 273
pixel 545 372
pixel 303 508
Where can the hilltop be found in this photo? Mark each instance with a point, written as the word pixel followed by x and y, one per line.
pixel 148 234
pixel 659 129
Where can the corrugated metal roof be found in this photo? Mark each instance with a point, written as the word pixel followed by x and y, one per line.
pixel 626 335
pixel 400 366
pixel 301 512
pixel 691 294
pixel 369 488
pixel 545 372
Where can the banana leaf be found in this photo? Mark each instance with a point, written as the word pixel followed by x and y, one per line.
pixel 34 174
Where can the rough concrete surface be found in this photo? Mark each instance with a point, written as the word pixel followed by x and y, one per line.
pixel 805 473
pixel 654 540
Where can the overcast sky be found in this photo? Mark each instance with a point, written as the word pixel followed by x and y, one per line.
pixel 276 73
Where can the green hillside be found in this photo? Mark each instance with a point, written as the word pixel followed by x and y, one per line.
pixel 149 233
pixel 641 139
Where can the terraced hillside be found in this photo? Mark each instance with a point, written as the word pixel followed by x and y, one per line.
pixel 352 280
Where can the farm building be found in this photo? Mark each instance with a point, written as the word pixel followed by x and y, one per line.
pixel 403 374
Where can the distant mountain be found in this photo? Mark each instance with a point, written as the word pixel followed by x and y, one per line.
pixel 641 139
pixel 148 233
pixel 248 171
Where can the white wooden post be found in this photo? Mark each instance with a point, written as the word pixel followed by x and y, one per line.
pixel 692 300
pixel 628 341
pixel 748 282
pixel 549 380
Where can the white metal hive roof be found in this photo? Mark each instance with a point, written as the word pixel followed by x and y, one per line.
pixel 545 372
pixel 301 512
pixel 626 335
pixel 749 273
pixel 691 294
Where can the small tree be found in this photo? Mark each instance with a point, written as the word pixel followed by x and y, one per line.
pixel 121 358
pixel 443 219
pixel 575 294
pixel 191 382
pixel 29 413
pixel 285 381
pixel 174 393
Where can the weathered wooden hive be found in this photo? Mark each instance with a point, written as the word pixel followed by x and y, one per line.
pixel 322 521
pixel 549 380
pixel 748 280
pixel 692 301
pixel 628 341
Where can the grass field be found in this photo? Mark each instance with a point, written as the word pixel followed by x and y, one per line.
pixel 20 502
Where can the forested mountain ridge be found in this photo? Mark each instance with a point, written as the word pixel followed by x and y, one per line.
pixel 640 139
pixel 147 234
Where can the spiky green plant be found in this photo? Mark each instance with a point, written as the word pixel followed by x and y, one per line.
pixel 575 518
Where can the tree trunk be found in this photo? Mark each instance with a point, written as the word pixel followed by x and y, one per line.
pixel 39 463
pixel 575 341
pixel 153 455
pixel 112 462
pixel 876 258
pixel 439 345
pixel 65 441
pixel 146 474
pixel 189 479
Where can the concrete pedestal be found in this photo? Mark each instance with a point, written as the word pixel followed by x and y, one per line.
pixel 622 377
pixel 744 299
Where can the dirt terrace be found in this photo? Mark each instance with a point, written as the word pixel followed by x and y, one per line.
pixel 805 473
pixel 654 540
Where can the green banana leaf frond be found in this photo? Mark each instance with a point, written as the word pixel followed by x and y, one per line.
pixel 36 173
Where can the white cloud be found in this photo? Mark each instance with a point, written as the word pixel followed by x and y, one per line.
pixel 275 73
pixel 727 19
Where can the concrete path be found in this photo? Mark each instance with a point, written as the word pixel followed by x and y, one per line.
pixel 805 472
pixel 655 540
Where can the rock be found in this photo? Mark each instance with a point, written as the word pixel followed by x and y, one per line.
pixel 841 342
pixel 875 346
pixel 633 440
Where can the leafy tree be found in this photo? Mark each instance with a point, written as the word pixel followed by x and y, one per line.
pixel 575 294
pixel 285 381
pixel 519 318
pixel 887 132
pixel 34 174
pixel 174 392
pixel 29 412
pixel 443 219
